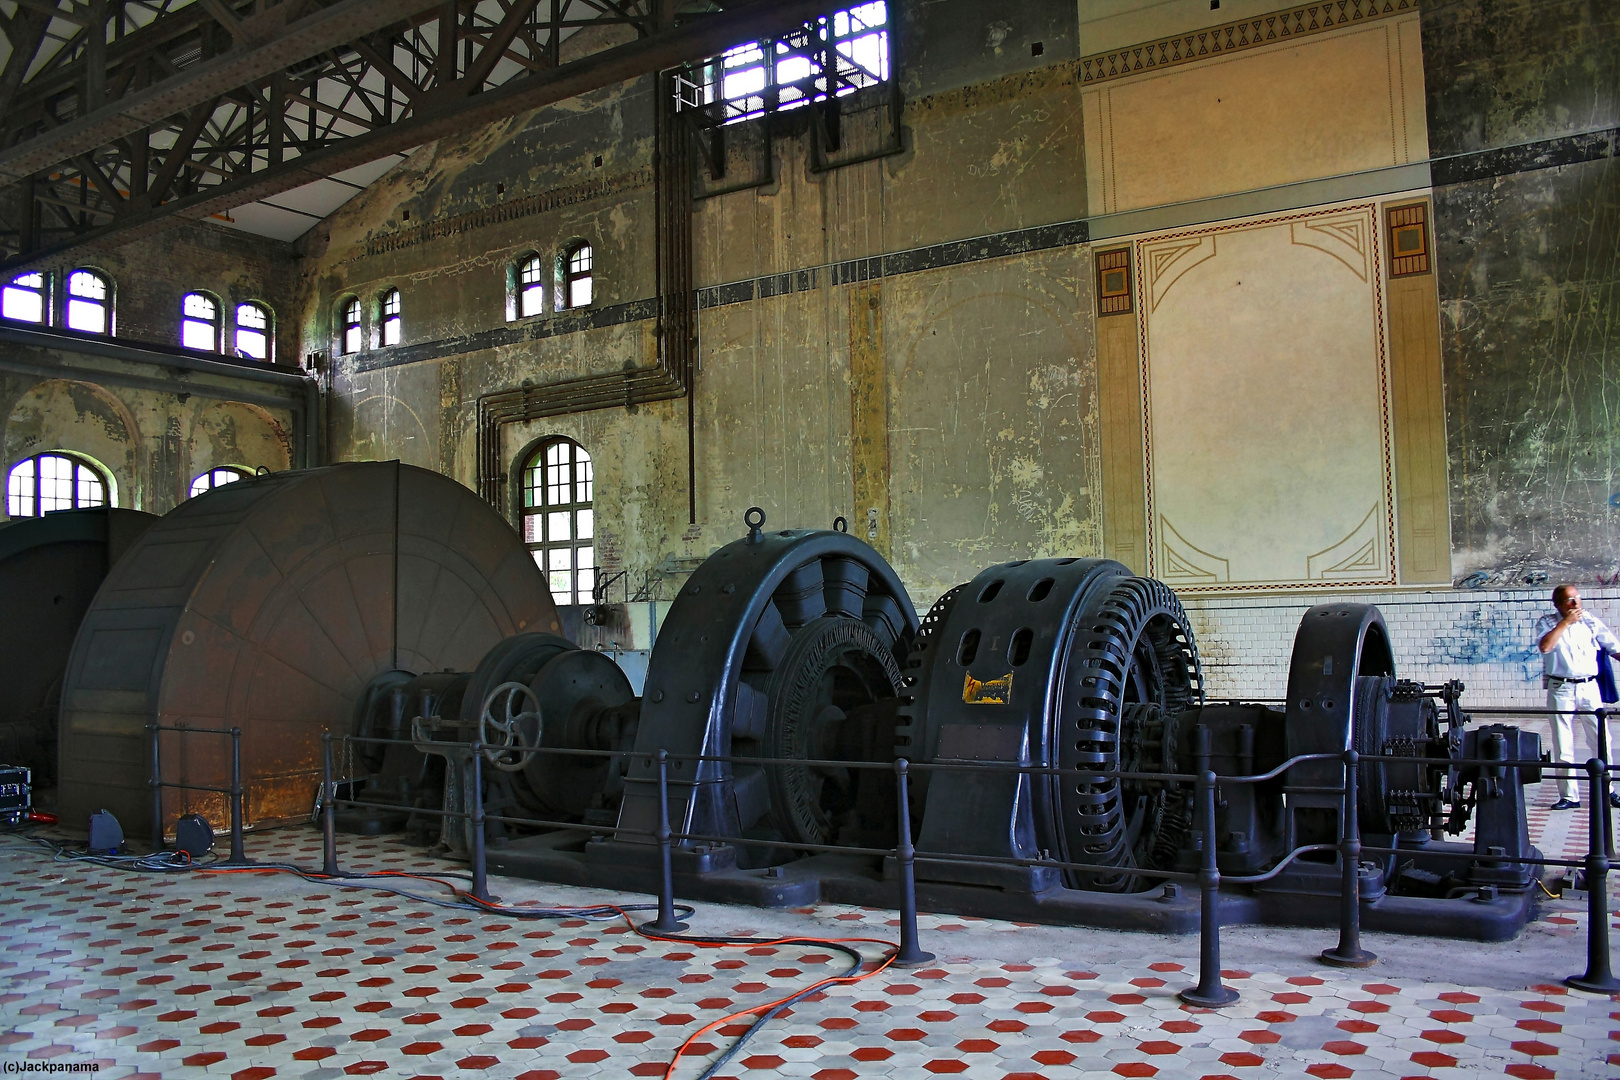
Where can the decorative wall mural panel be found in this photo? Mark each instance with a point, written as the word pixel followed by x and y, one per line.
pixel 1266 403
pixel 1325 105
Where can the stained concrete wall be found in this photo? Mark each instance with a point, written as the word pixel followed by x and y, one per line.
pixel 911 342
pixel 1529 261
pixel 949 393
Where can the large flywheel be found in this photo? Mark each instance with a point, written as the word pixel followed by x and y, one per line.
pixel 275 605
pixel 1073 663
pixel 782 645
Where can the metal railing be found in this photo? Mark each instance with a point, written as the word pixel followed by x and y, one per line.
pixel 1209 990
pixel 234 792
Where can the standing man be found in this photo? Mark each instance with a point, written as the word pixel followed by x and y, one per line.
pixel 1569 642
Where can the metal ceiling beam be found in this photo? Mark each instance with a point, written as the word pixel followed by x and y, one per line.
pixel 232 163
pixel 270 44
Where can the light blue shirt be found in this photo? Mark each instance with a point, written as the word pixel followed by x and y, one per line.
pixel 1575 655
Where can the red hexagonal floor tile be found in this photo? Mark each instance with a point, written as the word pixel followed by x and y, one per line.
pixel 978 1046
pixel 1433 1059
pixel 763 1061
pixel 1159 1046
pixel 1536 1048
pixel 365 1068
pixel 1329 1071
pixel 1527 1071
pixel 587 1057
pixel 1344 1047
pixel 1053 1057
pixel 871 1053
pixel 1443 1036
pixel 833 1074
pixel 1135 1068
pixel 1259 1037
pixel 1242 1060
pixel 945 1066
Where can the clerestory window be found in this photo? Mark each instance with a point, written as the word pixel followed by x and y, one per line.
pixel 89 302
pixel 253 331
pixel 25 299
pixel 828 58
pixel 199 322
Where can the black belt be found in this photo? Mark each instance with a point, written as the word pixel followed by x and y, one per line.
pixel 1561 679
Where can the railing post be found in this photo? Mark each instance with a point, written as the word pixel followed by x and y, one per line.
pixel 480 870
pixel 910 954
pixel 156 784
pixel 1209 993
pixel 666 923
pixel 1349 953
pixel 1601 717
pixel 238 856
pixel 328 809
pixel 1599 977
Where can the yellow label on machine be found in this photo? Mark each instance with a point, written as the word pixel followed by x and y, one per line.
pixel 992 692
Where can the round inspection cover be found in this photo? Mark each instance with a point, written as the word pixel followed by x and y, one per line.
pixel 270 605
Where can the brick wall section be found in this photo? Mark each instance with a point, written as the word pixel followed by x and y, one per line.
pixel 1482 637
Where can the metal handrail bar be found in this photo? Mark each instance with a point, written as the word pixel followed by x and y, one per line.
pixel 190 730
pixel 1525 860
pixel 1009 766
pixel 1287 861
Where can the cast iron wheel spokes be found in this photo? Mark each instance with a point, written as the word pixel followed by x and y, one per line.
pixel 509 737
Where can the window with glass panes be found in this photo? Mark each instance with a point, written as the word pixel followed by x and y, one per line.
pixel 213 478
pixel 253 331
pixel 531 287
pixel 199 322
pixel 351 326
pixel 388 325
pixel 24 299
pixel 577 277
pixel 47 482
pixel 558 523
pixel 89 302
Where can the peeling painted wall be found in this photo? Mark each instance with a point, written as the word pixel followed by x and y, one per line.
pixel 955 401
pixel 1529 284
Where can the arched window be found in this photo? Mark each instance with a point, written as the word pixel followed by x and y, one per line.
pixel 89 306
pixel 24 299
pixel 253 331
pixel 558 523
pixel 577 276
pixel 349 319
pixel 47 482
pixel 388 318
pixel 199 322
pixel 213 478
pixel 530 287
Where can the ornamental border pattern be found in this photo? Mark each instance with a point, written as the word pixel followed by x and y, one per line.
pixel 1285 25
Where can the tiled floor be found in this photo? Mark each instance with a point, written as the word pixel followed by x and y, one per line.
pixel 253 976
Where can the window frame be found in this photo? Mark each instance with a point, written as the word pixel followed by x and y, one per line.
pixel 519 287
pixel 569 275
pixel 79 463
pixel 347 306
pixel 390 324
pixel 537 511
pixel 106 303
pixel 268 331
pixel 237 473
pixel 702 86
pixel 43 292
pixel 216 325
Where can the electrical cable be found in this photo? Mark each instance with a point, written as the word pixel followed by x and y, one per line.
pixel 168 862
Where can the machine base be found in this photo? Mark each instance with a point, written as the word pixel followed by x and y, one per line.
pixel 710 874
